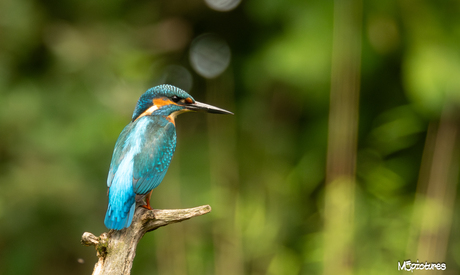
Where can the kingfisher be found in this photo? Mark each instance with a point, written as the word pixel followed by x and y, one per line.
pixel 144 150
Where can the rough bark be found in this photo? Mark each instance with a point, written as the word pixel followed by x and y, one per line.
pixel 117 248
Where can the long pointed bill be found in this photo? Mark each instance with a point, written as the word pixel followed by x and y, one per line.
pixel 202 107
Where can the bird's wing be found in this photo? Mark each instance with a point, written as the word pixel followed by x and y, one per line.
pixel 118 153
pixel 156 150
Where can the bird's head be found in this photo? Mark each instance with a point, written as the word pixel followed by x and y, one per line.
pixel 168 100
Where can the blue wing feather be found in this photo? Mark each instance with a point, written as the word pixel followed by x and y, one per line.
pixel 151 164
pixel 140 160
pixel 118 152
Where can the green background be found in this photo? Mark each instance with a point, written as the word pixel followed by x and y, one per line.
pixel 72 71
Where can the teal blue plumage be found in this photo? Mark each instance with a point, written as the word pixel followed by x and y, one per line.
pixel 144 150
pixel 143 153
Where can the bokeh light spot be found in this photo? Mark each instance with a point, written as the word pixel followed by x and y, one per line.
pixel 178 76
pixel 222 5
pixel 209 55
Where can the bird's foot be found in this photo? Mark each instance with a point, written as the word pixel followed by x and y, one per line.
pixel 147 207
pixel 147 200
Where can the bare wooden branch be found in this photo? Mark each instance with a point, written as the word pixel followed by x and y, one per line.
pixel 117 248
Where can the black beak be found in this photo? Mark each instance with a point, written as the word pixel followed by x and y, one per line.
pixel 202 107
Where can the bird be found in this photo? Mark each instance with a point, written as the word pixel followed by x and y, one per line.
pixel 144 150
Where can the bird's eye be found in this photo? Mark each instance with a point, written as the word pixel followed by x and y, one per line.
pixel 175 98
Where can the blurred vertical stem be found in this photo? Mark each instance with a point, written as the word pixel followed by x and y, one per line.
pixel 224 178
pixel 342 137
pixel 434 204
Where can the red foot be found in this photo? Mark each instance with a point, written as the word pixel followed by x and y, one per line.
pixel 147 199
pixel 147 207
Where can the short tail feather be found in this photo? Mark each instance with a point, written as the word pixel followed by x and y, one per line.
pixel 119 219
pixel 122 201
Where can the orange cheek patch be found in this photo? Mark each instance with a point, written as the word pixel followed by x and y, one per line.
pixel 162 102
pixel 189 100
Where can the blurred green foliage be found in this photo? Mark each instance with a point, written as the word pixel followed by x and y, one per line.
pixel 70 75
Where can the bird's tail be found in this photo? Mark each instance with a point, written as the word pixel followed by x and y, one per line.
pixel 118 220
pixel 120 212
